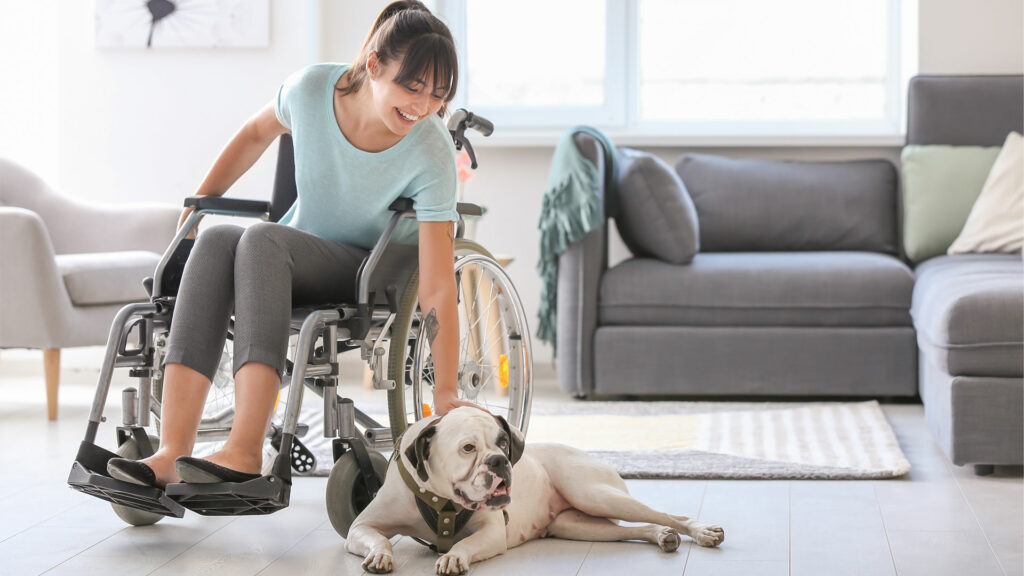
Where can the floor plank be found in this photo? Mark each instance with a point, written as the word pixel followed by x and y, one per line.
pixel 755 516
pixel 836 529
pixel 930 552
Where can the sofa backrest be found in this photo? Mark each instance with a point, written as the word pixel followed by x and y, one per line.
pixel 964 110
pixel 759 205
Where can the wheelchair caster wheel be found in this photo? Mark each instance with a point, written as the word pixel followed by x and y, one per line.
pixel 346 489
pixel 134 516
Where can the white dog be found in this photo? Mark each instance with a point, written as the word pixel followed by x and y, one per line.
pixel 457 493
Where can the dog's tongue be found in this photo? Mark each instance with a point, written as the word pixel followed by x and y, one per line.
pixel 500 488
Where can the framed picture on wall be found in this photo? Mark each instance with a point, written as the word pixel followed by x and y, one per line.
pixel 182 23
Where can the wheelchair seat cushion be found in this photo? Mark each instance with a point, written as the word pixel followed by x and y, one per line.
pixel 656 216
pixel 106 277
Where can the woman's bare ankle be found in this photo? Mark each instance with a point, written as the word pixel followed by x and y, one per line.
pixel 163 467
pixel 237 460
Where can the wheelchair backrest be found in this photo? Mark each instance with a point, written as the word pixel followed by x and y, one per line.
pixel 285 190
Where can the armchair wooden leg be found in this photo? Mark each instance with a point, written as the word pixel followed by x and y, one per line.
pixel 51 370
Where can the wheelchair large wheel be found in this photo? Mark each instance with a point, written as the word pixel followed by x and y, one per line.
pixel 347 495
pixel 134 516
pixel 495 367
pixel 220 401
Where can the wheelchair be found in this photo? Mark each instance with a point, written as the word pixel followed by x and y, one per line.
pixel 494 370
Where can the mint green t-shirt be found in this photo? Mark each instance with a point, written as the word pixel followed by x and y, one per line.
pixel 344 192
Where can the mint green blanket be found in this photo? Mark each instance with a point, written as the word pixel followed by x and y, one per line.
pixel 571 209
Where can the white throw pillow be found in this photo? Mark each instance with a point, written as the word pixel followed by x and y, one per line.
pixel 996 222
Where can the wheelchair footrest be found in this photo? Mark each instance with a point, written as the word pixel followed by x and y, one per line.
pixel 262 495
pixel 102 486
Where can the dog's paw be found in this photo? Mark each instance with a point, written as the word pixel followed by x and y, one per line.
pixel 451 564
pixel 379 562
pixel 709 535
pixel 668 539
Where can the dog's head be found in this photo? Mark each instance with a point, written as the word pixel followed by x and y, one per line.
pixel 466 456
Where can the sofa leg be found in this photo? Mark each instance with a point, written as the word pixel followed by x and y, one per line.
pixel 984 469
pixel 51 371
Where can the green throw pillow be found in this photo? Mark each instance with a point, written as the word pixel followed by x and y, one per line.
pixel 940 185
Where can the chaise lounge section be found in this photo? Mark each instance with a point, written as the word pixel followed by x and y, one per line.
pixel 968 309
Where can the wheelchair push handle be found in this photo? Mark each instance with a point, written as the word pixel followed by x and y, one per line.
pixel 463 119
pixel 457 125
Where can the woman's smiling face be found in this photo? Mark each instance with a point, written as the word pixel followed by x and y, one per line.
pixel 402 106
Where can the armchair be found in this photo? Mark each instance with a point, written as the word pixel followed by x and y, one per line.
pixel 67 267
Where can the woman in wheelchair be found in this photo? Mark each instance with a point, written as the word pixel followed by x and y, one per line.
pixel 364 135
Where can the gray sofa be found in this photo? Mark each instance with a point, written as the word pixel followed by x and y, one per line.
pixel 797 290
pixel 800 288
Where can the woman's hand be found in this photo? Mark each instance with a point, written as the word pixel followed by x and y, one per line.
pixel 444 404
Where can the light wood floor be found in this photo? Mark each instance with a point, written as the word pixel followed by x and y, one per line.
pixel 940 520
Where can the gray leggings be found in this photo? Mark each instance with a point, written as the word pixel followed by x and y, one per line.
pixel 258 273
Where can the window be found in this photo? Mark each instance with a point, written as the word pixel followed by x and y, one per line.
pixel 522 62
pixel 687 67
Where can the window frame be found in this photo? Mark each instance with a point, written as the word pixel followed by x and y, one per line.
pixel 620 116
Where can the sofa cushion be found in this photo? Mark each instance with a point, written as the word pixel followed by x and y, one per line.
pixel 758 205
pixel 106 277
pixel 969 313
pixel 656 216
pixel 760 289
pixel 994 223
pixel 940 184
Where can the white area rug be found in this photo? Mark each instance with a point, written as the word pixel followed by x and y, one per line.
pixel 816 440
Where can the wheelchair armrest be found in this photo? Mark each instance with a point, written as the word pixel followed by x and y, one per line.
pixel 463 208
pixel 469 209
pixel 401 205
pixel 230 206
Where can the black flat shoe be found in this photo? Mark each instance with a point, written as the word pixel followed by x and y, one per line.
pixel 199 471
pixel 131 471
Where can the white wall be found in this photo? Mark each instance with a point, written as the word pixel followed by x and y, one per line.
pixel 146 125
pixel 141 124
pixel 29 86
pixel 971 36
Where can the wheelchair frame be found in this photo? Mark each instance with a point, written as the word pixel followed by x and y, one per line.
pixel 363 323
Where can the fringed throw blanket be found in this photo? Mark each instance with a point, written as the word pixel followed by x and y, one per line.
pixel 571 209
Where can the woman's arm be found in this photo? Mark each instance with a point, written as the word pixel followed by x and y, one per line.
pixel 244 149
pixel 437 294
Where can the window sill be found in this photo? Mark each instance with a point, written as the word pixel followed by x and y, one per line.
pixel 548 138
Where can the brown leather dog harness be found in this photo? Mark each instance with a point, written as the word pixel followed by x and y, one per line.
pixel 444 517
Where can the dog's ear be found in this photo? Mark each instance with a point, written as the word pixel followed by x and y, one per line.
pixel 516 444
pixel 418 452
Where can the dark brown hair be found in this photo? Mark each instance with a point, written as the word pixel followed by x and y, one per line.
pixel 406 29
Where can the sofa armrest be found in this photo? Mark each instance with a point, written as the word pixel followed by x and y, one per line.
pixel 85 227
pixel 34 305
pixel 579 279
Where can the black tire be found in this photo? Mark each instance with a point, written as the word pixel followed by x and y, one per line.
pixel 134 516
pixel 403 348
pixel 347 495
